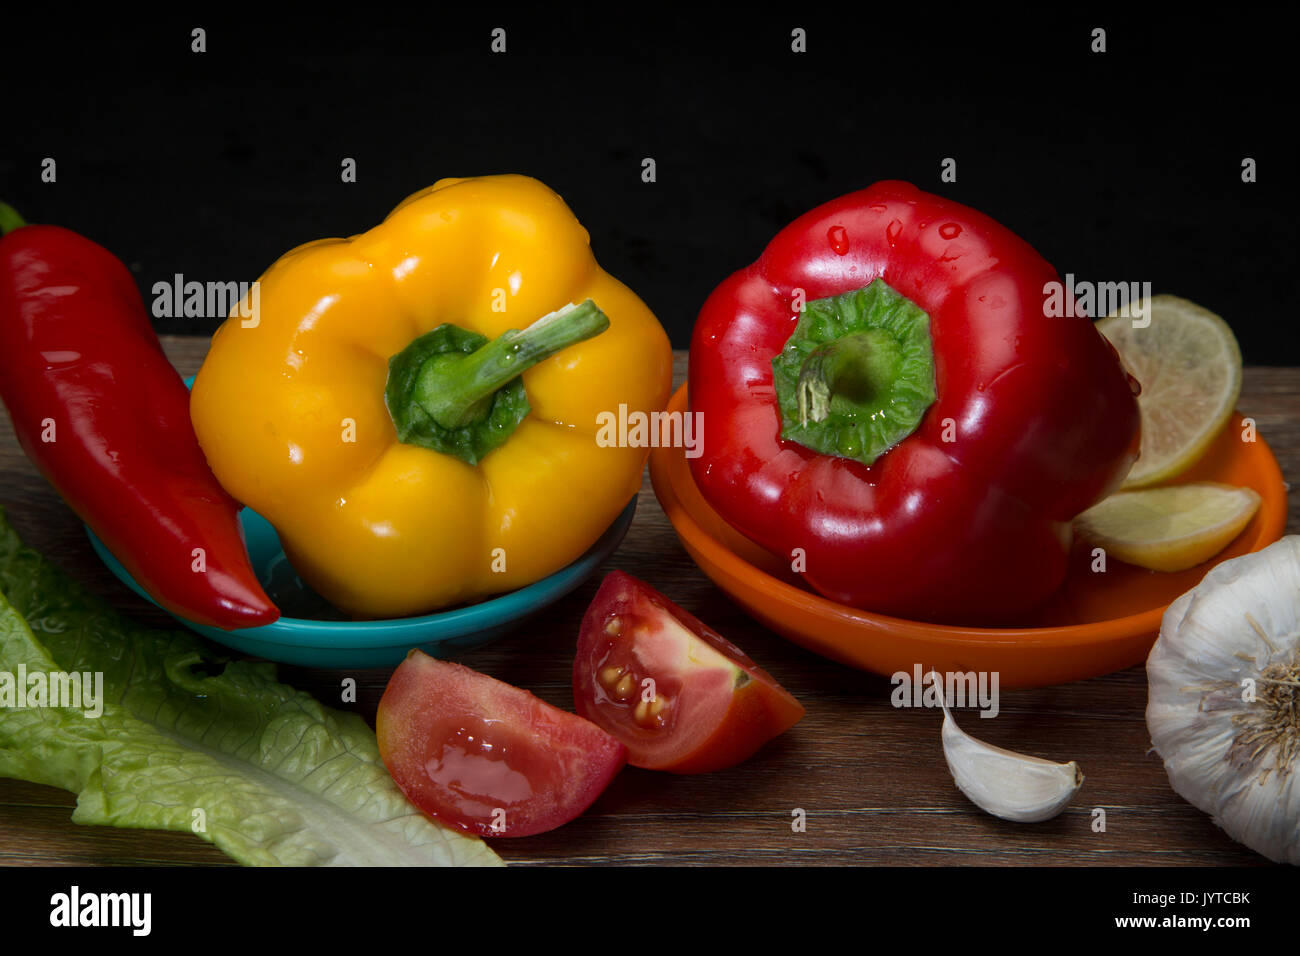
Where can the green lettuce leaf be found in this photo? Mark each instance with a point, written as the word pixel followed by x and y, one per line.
pixel 186 737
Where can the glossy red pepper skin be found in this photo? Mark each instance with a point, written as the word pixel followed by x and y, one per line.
pixel 1042 417
pixel 77 353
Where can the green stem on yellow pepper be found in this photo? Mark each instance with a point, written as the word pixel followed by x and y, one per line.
pixel 456 392
pixel 457 389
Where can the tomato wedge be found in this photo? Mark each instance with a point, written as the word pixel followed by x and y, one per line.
pixel 487 757
pixel 680 696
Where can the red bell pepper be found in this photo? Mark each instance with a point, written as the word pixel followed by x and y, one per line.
pixel 104 416
pixel 884 390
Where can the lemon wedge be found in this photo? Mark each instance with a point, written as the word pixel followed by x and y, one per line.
pixel 1189 365
pixel 1171 528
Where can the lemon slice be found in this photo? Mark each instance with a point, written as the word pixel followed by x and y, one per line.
pixel 1189 365
pixel 1169 529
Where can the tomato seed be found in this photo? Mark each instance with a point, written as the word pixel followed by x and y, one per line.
pixel 623 690
pixel 647 713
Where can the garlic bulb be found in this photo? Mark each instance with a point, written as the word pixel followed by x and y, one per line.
pixel 1224 702
pixel 1007 784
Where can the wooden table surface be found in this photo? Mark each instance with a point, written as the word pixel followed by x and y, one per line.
pixel 870 778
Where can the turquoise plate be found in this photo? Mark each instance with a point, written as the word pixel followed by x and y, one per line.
pixel 318 641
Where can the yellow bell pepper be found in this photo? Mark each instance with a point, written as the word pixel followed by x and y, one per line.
pixel 497 478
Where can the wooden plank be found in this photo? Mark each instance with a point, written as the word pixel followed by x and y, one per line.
pixel 870 778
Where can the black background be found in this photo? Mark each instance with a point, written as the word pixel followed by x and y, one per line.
pixel 1118 166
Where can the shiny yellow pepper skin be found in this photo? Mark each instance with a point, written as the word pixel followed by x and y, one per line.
pixel 291 412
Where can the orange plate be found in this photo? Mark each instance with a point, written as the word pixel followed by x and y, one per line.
pixel 1096 623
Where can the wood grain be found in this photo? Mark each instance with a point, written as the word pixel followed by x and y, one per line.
pixel 870 778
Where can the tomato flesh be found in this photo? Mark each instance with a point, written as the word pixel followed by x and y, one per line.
pixel 679 695
pixel 487 757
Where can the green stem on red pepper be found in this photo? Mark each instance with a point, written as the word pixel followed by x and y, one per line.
pixel 857 375
pixel 9 219
pixel 456 392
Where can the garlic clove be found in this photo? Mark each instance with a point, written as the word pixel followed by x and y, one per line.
pixel 1009 785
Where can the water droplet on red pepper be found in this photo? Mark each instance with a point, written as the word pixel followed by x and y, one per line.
pixel 893 229
pixel 839 240
pixel 950 230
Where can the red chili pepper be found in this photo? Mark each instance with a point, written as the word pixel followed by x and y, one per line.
pixel 104 416
pixel 925 439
